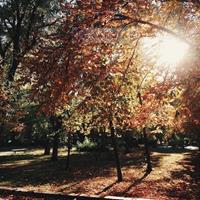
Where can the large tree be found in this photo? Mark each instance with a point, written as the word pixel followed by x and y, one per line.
pixel 21 23
pixel 74 61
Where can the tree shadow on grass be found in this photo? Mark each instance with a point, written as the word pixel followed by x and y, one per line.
pixel 137 158
pixel 40 170
pixel 123 193
pixel 16 157
pixel 182 183
pixel 189 185
pixel 107 188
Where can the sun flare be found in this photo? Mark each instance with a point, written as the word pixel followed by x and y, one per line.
pixel 166 50
pixel 171 50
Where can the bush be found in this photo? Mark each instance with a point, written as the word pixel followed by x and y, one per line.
pixel 176 141
pixel 87 145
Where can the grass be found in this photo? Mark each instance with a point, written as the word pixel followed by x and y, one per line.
pixel 176 174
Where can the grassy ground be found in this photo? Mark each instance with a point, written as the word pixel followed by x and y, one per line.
pixel 176 174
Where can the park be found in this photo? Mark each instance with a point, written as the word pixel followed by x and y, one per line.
pixel 99 99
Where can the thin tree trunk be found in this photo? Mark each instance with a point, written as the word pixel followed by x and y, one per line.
pixel 146 143
pixel 199 145
pixel 54 156
pixel 15 59
pixel 47 147
pixel 68 151
pixel 147 152
pixel 116 154
pixel 13 69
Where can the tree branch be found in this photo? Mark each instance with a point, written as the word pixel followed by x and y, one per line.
pixel 155 26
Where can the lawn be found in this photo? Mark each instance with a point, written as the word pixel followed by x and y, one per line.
pixel 176 174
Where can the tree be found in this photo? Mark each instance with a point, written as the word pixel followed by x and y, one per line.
pixel 72 64
pixel 74 52
pixel 187 116
pixel 22 23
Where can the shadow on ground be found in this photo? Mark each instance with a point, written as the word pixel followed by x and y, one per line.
pixel 189 186
pixel 38 169
pixel 183 183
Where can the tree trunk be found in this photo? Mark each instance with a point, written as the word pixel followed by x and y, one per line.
pixel 13 69
pixel 68 151
pixel 116 154
pixel 47 147
pixel 147 152
pixel 198 145
pixel 54 156
pixel 146 143
pixel 15 59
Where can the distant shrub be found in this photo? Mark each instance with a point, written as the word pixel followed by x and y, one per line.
pixel 176 140
pixel 87 145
